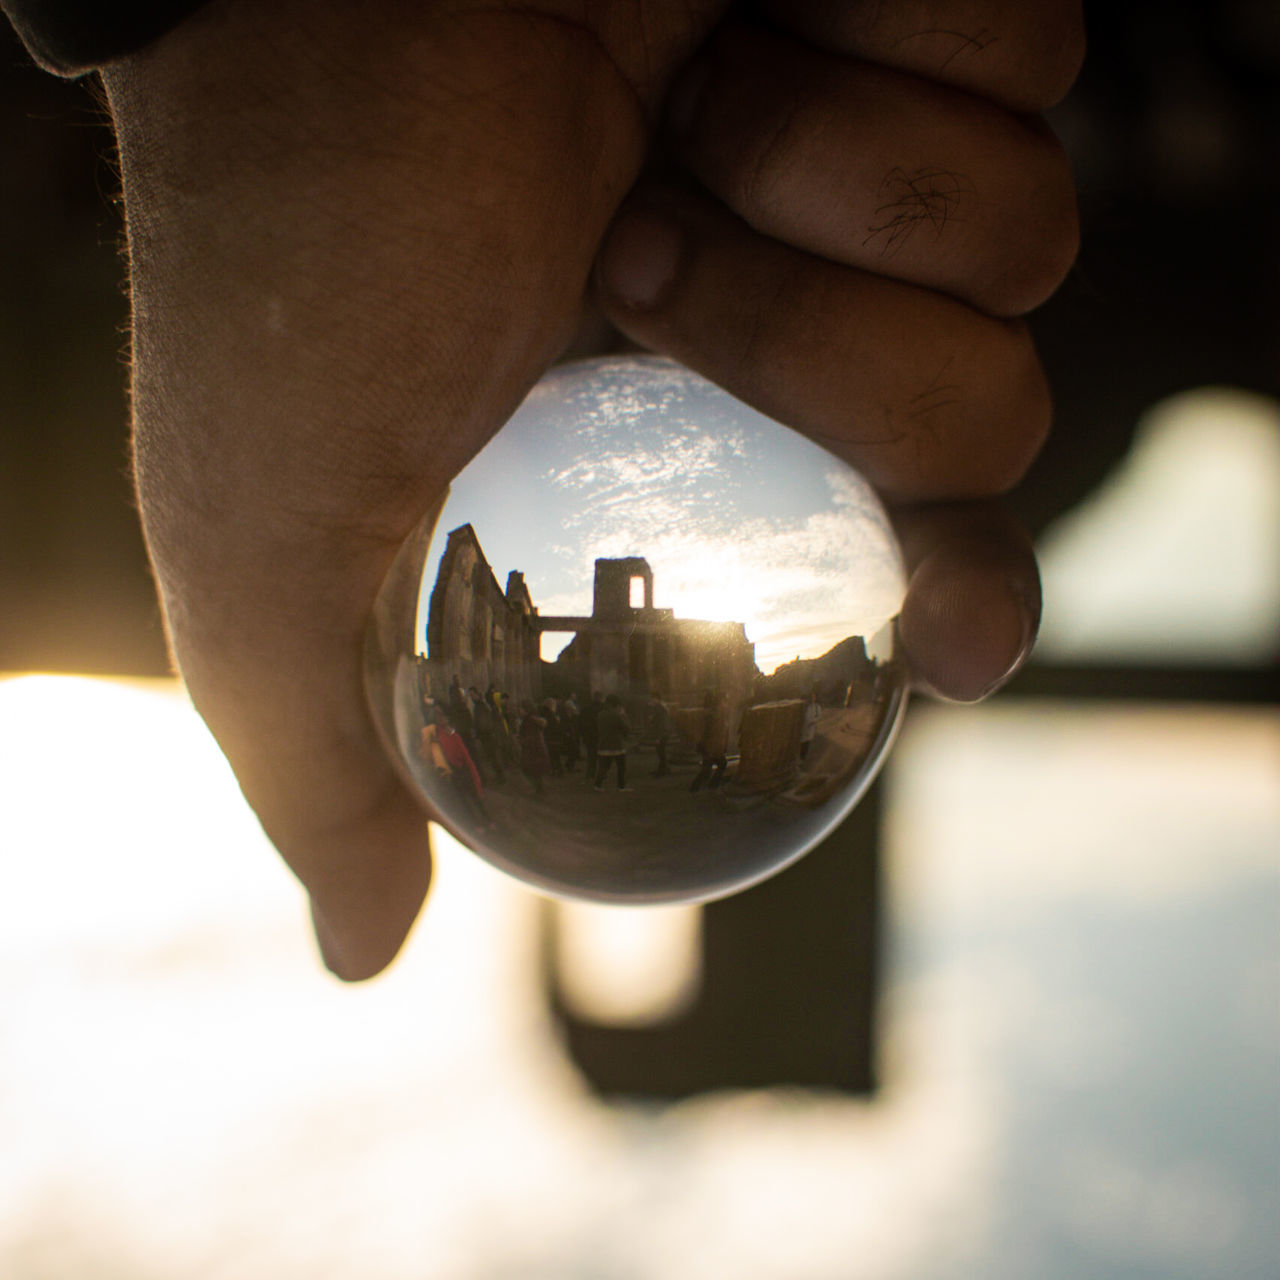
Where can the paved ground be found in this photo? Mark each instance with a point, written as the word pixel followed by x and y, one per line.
pixel 660 839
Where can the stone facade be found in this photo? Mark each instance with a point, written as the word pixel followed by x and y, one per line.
pixel 629 647
pixel 477 631
pixel 483 634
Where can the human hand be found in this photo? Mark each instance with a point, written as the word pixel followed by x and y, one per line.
pixel 355 244
pixel 851 229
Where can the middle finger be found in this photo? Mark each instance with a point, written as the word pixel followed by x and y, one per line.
pixel 879 169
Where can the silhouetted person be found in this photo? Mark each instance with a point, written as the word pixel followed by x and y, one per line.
pixel 459 711
pixel 486 722
pixel 461 718
pixel 572 729
pixel 714 743
pixel 590 729
pixel 535 763
pixel 505 724
pixel 553 735
pixel 611 745
pixel 660 728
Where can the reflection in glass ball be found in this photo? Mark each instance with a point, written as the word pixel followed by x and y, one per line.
pixel 646 651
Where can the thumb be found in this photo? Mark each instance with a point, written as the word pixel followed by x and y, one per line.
pixel 354 245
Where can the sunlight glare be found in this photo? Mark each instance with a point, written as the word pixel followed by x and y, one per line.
pixel 185 1093
pixel 628 966
pixel 1176 557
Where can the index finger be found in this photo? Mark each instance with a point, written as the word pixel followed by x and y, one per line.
pixel 1021 54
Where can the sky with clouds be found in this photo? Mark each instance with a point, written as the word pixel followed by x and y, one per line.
pixel 741 520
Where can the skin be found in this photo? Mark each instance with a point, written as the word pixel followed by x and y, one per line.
pixel 356 241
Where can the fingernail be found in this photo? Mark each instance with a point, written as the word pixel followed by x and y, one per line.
pixel 1023 608
pixel 1028 610
pixel 965 640
pixel 1029 597
pixel 638 262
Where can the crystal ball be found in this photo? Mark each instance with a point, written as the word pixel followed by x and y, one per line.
pixel 645 652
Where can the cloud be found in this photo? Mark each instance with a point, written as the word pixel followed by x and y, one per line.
pixel 740 518
pixel 799 583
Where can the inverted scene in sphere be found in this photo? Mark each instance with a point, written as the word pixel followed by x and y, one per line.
pixel 646 652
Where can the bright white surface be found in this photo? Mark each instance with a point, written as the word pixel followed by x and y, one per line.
pixel 1176 557
pixel 1080 1056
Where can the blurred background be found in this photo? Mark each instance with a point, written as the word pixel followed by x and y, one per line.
pixel 1021 1016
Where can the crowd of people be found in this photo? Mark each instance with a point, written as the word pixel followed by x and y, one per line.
pixel 475 740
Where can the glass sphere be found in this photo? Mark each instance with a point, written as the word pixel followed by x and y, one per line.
pixel 646 650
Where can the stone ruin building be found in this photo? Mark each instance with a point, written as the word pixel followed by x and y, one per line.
pixel 629 647
pixel 483 634
pixel 476 630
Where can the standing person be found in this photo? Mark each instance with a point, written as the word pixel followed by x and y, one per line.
pixel 714 744
pixel 535 763
pixel 554 736
pixel 453 762
pixel 810 725
pixel 504 725
pixel 660 728
pixel 572 732
pixel 590 729
pixel 487 732
pixel 461 718
pixel 611 742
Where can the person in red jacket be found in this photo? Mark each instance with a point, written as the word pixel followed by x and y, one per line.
pixel 461 771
